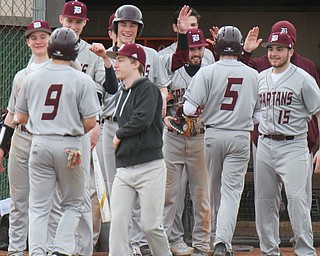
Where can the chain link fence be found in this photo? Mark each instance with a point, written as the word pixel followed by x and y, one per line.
pixel 14 54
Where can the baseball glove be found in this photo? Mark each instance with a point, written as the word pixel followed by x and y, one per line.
pixel 182 125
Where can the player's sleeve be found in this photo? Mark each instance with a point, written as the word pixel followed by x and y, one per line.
pixel 13 95
pixel 22 103
pixel 161 78
pixel 89 103
pixel 198 90
pixel 311 94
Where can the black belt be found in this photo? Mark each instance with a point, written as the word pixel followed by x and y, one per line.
pixel 209 126
pixel 109 118
pixel 277 137
pixel 200 131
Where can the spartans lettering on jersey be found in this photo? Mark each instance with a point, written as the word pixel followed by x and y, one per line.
pixel 275 98
pixel 178 94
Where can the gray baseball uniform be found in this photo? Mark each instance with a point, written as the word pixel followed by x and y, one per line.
pixel 92 65
pixel 183 153
pixel 228 91
pixel 18 172
pixel 177 230
pixel 282 156
pixel 51 97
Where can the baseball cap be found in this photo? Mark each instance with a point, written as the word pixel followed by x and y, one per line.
pixel 38 25
pixel 285 27
pixel 111 18
pixel 75 9
pixel 132 50
pixel 196 38
pixel 279 38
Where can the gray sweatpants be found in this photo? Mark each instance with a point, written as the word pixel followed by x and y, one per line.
pixel 147 182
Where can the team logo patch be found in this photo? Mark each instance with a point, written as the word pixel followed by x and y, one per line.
pixel 284 30
pixel 77 10
pixel 37 24
pixel 195 38
pixel 274 38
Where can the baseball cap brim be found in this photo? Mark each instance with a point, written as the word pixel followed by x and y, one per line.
pixel 267 44
pixel 198 45
pixel 74 17
pixel 30 31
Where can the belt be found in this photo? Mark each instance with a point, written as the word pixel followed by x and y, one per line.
pixel 277 137
pixel 199 131
pixel 23 129
pixel 109 118
pixel 209 126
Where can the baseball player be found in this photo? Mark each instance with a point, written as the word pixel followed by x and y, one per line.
pixel 128 25
pixel 177 231
pixel 181 152
pixel 262 63
pixel 141 171
pixel 37 33
pixel 228 91
pixel 74 16
pixel 288 97
pixel 48 102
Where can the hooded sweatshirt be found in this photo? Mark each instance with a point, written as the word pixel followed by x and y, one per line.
pixel 138 111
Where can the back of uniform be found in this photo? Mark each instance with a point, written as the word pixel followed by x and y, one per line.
pixel 56 87
pixel 225 88
pixel 57 98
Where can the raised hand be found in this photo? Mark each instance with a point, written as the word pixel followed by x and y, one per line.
pixel 213 31
pixel 252 42
pixel 183 24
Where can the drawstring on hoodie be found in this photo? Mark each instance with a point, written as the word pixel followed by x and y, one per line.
pixel 124 103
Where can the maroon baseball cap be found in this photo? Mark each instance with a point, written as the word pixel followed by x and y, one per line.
pixel 111 18
pixel 280 39
pixel 196 38
pixel 75 9
pixel 285 27
pixel 132 50
pixel 38 25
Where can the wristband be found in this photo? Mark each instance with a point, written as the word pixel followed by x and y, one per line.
pixel 5 135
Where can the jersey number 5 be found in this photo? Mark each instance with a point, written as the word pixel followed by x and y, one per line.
pixel 231 94
pixel 52 99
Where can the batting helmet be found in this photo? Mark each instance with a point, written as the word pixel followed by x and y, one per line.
pixel 128 12
pixel 228 41
pixel 63 44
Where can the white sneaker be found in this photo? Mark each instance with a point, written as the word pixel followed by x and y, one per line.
pixel 181 249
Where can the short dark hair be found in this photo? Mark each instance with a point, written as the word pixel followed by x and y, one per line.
pixel 194 12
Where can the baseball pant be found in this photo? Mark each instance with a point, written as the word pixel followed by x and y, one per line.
pixel 147 182
pixel 187 152
pixel 282 162
pixel 227 155
pixel 85 229
pixel 47 166
pixel 177 230
pixel 18 172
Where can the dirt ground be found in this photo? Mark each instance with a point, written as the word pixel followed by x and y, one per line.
pixel 285 251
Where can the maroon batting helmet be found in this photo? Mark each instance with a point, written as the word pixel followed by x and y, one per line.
pixel 128 12
pixel 63 44
pixel 228 41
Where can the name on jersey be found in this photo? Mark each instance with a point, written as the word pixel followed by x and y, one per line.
pixel 275 98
